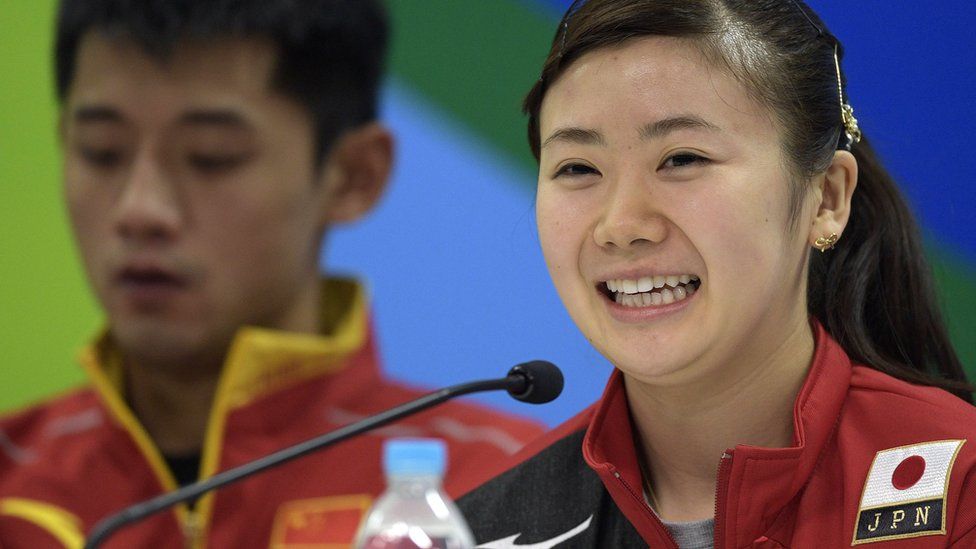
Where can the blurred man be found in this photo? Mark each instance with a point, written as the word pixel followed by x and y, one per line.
pixel 207 148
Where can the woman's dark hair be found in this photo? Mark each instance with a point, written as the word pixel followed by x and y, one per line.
pixel 873 292
pixel 330 53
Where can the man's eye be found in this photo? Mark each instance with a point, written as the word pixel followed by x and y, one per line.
pixel 575 170
pixel 101 158
pixel 683 159
pixel 216 163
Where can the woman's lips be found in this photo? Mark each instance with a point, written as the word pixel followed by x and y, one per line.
pixel 650 291
pixel 648 297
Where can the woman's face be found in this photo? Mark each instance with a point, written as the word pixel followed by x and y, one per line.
pixel 663 213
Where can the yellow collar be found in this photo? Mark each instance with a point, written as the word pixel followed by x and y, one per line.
pixel 261 360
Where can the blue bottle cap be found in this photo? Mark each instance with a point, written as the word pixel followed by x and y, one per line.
pixel 414 456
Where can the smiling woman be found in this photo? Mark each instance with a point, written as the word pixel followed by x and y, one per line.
pixel 675 185
pixel 718 228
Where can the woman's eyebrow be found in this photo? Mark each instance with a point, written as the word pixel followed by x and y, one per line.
pixel 651 130
pixel 579 136
pixel 665 126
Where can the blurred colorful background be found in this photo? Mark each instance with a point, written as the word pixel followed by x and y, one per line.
pixel 459 286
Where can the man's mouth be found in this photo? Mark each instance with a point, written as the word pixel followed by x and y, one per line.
pixel 149 277
pixel 650 291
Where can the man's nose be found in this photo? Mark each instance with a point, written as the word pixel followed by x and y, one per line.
pixel 148 208
pixel 631 217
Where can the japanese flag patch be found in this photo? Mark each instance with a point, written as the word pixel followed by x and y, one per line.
pixel 905 492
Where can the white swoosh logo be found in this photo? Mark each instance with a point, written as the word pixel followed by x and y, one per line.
pixel 509 542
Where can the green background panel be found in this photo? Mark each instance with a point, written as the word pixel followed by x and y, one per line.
pixel 476 59
pixel 46 310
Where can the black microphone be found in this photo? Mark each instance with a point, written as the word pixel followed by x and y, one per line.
pixel 535 382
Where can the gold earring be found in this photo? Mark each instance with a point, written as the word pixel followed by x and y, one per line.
pixel 824 244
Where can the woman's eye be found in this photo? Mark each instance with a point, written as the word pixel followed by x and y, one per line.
pixel 683 159
pixel 575 169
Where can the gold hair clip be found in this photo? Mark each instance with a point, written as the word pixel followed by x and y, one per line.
pixel 850 124
pixel 852 133
pixel 851 130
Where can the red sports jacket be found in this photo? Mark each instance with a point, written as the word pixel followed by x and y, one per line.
pixel 68 463
pixel 875 461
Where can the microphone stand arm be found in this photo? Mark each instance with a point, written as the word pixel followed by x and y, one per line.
pixel 108 526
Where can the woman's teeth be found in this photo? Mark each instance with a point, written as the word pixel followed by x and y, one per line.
pixel 653 290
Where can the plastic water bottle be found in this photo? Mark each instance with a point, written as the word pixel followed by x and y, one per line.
pixel 414 512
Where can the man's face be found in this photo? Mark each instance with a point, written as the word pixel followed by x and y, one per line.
pixel 191 189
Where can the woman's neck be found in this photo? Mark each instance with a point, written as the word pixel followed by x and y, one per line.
pixel 681 432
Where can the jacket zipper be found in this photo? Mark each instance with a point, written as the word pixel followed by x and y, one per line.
pixel 721 495
pixel 650 513
pixel 191 529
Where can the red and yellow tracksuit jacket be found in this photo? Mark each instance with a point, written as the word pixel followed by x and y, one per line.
pixel 876 461
pixel 68 463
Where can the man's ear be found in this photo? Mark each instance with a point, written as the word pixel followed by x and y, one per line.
pixel 356 172
pixel 834 194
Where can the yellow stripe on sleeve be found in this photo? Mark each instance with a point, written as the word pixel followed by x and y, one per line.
pixel 61 524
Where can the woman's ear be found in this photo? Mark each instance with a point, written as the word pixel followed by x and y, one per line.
pixel 356 172
pixel 834 193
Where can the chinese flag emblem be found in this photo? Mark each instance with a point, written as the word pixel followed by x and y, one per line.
pixel 319 523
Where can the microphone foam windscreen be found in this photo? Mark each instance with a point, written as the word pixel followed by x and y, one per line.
pixel 544 381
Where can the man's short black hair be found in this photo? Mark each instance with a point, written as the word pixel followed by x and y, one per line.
pixel 330 53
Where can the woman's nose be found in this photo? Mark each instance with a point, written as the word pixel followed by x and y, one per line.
pixel 630 218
